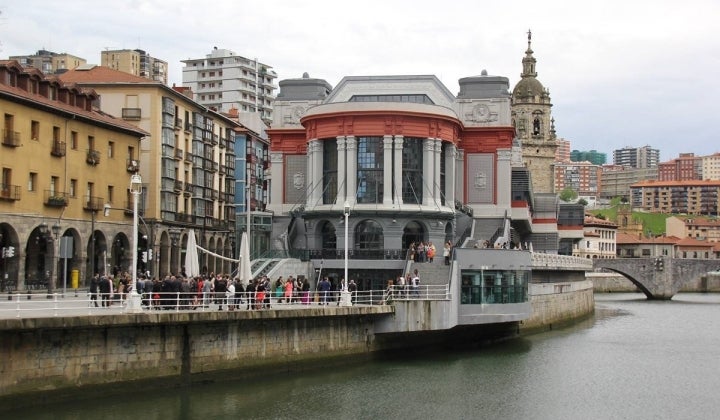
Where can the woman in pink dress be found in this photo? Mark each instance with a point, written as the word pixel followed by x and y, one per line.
pixel 288 290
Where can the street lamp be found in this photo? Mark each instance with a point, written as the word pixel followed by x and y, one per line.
pixel 344 294
pixel 56 233
pixel 134 302
pixel 174 237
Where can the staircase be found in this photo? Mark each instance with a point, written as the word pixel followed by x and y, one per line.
pixel 435 272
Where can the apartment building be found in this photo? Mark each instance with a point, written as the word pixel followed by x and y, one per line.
pixel 582 177
pixel 49 62
pixel 224 80
pixel 137 62
pixel 637 157
pixel 62 161
pixel 690 197
pixel 187 163
pixel 686 167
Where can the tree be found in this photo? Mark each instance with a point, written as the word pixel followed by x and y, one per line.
pixel 583 202
pixel 568 194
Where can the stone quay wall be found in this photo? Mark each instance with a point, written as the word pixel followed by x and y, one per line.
pixel 557 304
pixel 49 356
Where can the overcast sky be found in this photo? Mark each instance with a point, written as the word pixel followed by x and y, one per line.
pixel 620 73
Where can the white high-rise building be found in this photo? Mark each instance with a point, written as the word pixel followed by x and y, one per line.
pixel 225 80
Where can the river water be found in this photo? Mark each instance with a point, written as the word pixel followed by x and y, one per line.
pixel 635 359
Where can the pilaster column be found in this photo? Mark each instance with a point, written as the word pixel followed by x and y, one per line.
pixel 428 173
pixel 450 175
pixel 351 164
pixel 387 170
pixel 502 178
pixel 310 180
pixel 277 185
pixel 341 174
pixel 318 172
pixel 436 179
pixel 397 175
pixel 460 174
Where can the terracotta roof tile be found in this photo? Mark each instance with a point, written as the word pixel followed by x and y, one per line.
pixel 101 74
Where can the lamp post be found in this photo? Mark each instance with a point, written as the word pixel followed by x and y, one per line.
pixel 344 294
pixel 56 233
pixel 134 303
pixel 174 236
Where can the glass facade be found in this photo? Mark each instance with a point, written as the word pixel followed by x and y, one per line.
pixel 494 286
pixel 330 171
pixel 370 170
pixel 418 99
pixel 412 166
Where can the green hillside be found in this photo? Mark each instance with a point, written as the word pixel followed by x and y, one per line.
pixel 652 222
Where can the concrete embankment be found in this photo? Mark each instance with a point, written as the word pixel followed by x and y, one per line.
pixel 55 358
pixel 557 304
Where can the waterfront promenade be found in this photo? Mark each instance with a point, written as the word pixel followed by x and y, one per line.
pixel 72 304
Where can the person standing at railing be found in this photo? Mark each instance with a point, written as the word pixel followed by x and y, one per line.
pixel 352 288
pixel 416 283
pixel 105 290
pixel 289 285
pixel 250 292
pixel 220 291
pixel 230 296
pixel 94 282
pixel 305 291
pixel 324 289
pixel 239 290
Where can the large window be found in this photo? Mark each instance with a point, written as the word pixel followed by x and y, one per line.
pixel 494 286
pixel 330 168
pixel 412 161
pixel 442 178
pixel 368 236
pixel 370 170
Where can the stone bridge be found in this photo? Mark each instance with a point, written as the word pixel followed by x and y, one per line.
pixel 658 277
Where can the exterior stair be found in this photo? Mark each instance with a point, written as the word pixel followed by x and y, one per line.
pixel 435 272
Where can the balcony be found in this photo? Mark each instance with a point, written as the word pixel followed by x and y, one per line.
pixel 179 154
pixel 133 166
pixel 93 157
pixel 11 138
pixel 58 148
pixel 178 186
pixel 131 114
pixel 188 157
pixel 93 203
pixel 188 127
pixel 9 192
pixel 56 199
pixel 178 123
pixel 222 170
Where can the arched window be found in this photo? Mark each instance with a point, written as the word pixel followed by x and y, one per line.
pixel 328 235
pixel 369 235
pixel 413 232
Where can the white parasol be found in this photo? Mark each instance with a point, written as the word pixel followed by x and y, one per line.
pixel 192 262
pixel 245 271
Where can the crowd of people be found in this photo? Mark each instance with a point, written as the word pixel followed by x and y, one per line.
pixel 217 291
pixel 425 252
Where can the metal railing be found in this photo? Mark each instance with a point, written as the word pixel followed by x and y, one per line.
pixel 83 303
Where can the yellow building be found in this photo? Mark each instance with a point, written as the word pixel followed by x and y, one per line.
pixel 187 164
pixel 62 161
pixel 136 62
pixel 49 62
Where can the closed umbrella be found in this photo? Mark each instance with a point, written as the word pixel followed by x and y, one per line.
pixel 192 262
pixel 245 269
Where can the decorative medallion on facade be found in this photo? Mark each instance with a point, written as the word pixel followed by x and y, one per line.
pixel 481 113
pixel 480 180
pixel 296 113
pixel 299 180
